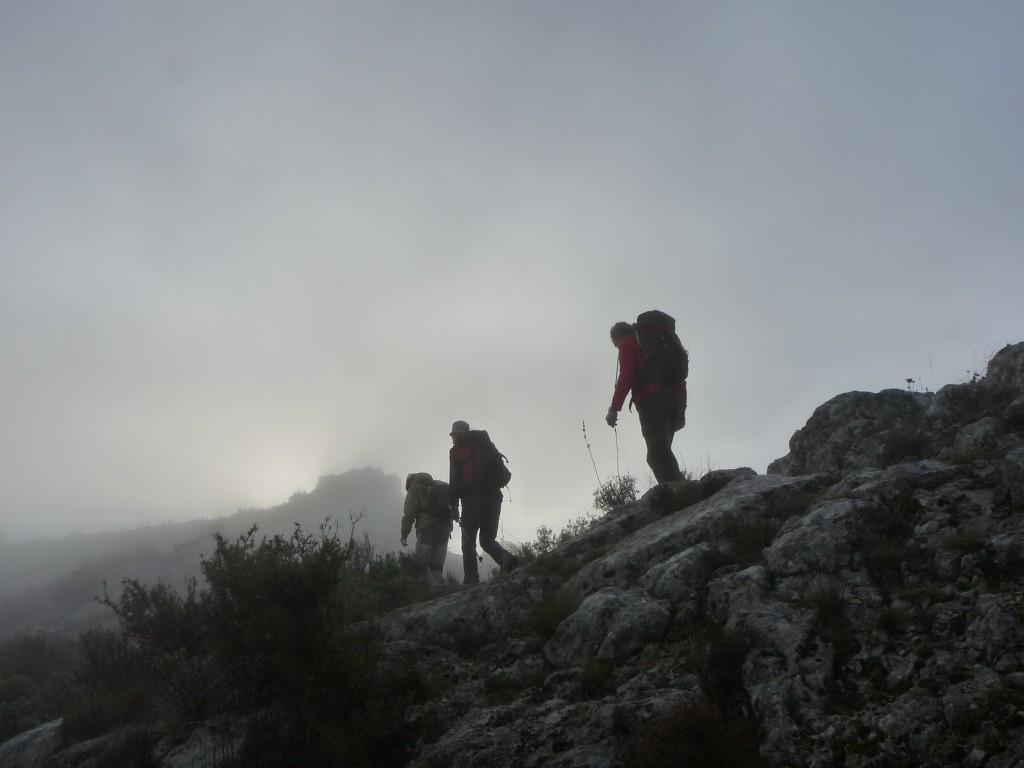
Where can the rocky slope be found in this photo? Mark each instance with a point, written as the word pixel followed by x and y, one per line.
pixel 859 605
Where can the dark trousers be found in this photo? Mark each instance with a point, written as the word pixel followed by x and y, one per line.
pixel 661 414
pixel 480 514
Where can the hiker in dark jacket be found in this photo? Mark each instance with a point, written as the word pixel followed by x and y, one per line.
pixel 481 510
pixel 432 530
pixel 662 409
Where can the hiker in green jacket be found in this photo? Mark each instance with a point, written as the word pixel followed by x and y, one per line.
pixel 427 508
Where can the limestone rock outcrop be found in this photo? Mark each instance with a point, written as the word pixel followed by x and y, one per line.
pixel 860 605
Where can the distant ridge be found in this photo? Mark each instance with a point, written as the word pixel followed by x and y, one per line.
pixel 51 583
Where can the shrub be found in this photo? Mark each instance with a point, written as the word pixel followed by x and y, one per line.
pixel 168 634
pixel 384 583
pixel 671 497
pixel 550 610
pixel 716 656
pixel 158 618
pixel 116 688
pixel 503 687
pixel 272 638
pixel 36 681
pixel 271 607
pixel 748 537
pixel 614 493
pixel 893 517
pixel 19 705
pixel 544 543
pixel 597 678
pixel 906 442
pixel 888 525
pixel 891 621
pixel 133 748
pixel 696 735
pixel 577 527
pixel 882 560
pixel 826 595
pixel 547 542
pixel 556 565
pixel 961 542
pixel 376 733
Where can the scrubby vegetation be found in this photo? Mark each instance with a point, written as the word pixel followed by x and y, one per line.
pixel 615 493
pixel 696 735
pixel 277 637
pixel 36 681
pixel 671 497
pixel 548 541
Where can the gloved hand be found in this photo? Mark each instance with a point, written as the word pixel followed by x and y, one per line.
pixel 612 417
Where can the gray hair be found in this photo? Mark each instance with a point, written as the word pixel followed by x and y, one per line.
pixel 621 329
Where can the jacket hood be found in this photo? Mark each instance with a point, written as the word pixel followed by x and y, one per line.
pixel 416 478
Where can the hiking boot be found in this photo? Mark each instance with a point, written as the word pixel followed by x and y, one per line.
pixel 511 564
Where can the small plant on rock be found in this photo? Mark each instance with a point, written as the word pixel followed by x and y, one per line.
pixel 826 595
pixel 115 684
pixel 908 441
pixel 596 678
pixel 696 735
pixel 671 497
pixel 716 656
pixel 553 607
pixel 749 537
pixel 614 493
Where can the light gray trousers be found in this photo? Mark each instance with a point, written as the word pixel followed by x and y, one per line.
pixel 432 548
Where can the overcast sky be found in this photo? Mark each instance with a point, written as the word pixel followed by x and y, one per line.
pixel 247 244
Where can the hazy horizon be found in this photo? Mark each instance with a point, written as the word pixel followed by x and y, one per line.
pixel 244 246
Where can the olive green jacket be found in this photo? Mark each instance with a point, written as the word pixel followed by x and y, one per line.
pixel 417 504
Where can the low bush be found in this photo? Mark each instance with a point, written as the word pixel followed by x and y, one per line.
pixel 614 493
pixel 555 604
pixel 749 536
pixel 696 735
pixel 548 541
pixel 597 679
pixel 827 597
pixel 908 441
pixel 37 682
pixel 672 497
pixel 115 685
pixel 279 638
pixel 716 656
pixel 19 705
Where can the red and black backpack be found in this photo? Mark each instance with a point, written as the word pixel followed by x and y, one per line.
pixel 480 464
pixel 665 359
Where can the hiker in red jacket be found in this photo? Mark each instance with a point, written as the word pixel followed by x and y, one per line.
pixel 476 479
pixel 661 408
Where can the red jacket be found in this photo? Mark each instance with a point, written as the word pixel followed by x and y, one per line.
pixel 631 375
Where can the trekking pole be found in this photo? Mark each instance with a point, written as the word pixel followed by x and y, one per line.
pixel 615 428
pixel 587 442
pixel 618 473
